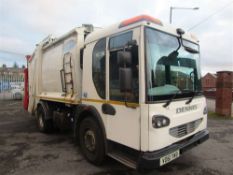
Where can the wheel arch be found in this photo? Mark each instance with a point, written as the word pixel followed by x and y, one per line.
pixel 83 111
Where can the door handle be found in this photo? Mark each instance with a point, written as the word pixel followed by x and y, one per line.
pixel 108 109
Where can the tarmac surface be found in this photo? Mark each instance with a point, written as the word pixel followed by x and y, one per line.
pixel 26 151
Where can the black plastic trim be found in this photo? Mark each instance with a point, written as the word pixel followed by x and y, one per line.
pixel 151 160
pixel 108 109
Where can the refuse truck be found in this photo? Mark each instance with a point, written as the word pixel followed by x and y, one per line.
pixel 131 91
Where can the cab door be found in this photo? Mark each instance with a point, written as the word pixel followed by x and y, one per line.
pixel 122 108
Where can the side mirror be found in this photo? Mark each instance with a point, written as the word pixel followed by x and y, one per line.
pixel 124 58
pixel 191 50
pixel 132 43
pixel 125 78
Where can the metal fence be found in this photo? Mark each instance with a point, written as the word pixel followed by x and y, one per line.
pixel 11 86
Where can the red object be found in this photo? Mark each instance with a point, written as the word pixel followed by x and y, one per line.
pixel 29 58
pixel 224 85
pixel 138 19
pixel 26 94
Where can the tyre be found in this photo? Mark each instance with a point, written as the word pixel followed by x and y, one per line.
pixel 92 141
pixel 44 125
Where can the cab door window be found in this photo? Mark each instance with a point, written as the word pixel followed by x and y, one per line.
pixel 117 44
pixel 98 67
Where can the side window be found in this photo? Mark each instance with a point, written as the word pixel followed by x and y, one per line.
pixel 98 67
pixel 118 42
pixel 114 84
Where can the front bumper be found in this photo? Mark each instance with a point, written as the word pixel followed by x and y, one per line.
pixel 151 160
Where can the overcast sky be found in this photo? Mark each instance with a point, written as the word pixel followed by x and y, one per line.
pixel 23 23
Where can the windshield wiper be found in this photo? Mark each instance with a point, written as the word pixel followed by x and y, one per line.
pixel 191 98
pixel 171 99
pixel 182 92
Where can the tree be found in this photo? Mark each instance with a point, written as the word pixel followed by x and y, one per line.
pixel 3 65
pixel 15 65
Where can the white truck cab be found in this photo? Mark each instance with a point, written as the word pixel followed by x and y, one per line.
pixel 131 91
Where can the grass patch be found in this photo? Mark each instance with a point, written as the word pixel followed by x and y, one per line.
pixel 213 115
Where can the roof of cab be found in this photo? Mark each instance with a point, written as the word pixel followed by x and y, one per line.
pixel 135 22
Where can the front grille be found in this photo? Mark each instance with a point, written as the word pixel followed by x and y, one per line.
pixel 185 129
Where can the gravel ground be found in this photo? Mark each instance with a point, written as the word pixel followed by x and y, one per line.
pixel 25 151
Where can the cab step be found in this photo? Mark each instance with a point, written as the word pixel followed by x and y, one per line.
pixel 123 158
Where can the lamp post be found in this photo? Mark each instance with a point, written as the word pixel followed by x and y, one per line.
pixel 180 8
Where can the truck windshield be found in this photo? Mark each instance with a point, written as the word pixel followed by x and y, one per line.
pixel 170 69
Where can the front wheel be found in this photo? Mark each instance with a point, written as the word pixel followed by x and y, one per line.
pixel 92 141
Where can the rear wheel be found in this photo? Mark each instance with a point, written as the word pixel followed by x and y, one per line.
pixel 44 125
pixel 92 141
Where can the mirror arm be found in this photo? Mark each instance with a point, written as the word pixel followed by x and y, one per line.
pixel 179 42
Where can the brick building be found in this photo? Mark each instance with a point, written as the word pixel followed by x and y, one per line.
pixel 209 82
pixel 224 93
pixel 11 71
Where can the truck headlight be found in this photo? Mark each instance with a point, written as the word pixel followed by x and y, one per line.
pixel 159 121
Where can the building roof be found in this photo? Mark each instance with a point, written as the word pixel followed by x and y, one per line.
pixel 11 69
pixel 214 75
pixel 211 74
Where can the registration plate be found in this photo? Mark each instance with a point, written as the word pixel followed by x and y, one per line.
pixel 168 158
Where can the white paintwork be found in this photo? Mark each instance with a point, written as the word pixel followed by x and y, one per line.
pixel 130 126
pixel 117 127
pixel 124 127
pixel 34 75
pixel 96 35
pixel 160 138
pixel 45 66
pixel 52 64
